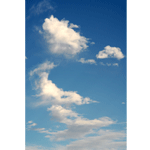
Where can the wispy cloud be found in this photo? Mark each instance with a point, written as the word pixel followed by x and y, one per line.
pixel 105 140
pixel 110 52
pixel 41 7
pixel 62 38
pixel 109 64
pixel 35 147
pixel 88 61
pixel 50 93
pixel 78 126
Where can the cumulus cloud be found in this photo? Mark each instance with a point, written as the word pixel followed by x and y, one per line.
pixel 88 61
pixel 106 140
pixel 40 8
pixel 110 52
pixel 62 38
pixel 50 93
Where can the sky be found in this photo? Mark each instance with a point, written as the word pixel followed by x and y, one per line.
pixel 75 75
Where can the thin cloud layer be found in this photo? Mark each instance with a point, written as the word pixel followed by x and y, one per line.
pixel 50 93
pixel 110 52
pixel 41 7
pixel 62 38
pixel 88 61
pixel 107 140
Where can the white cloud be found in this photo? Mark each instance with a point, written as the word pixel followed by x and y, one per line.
pixel 62 38
pixel 43 67
pixel 123 102
pixel 50 93
pixel 40 8
pixel 30 121
pixel 92 43
pixel 115 64
pixel 88 61
pixel 101 63
pixel 110 52
pixel 30 124
pixel 109 64
pixel 78 126
pixel 107 140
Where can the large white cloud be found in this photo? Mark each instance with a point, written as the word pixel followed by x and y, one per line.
pixel 78 126
pixel 62 38
pixel 110 52
pixel 50 93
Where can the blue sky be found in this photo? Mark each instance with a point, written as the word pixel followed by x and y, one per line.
pixel 75 75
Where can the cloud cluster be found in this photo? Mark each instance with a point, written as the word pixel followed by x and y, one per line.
pixel 50 93
pixel 87 133
pixel 62 38
pixel 110 52
pixel 88 61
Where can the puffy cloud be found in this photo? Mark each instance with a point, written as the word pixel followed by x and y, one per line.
pixel 106 140
pixel 41 7
pixel 88 61
pixel 50 93
pixel 110 52
pixel 62 38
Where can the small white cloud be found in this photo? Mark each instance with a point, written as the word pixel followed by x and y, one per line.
pixel 123 102
pixel 108 64
pixel 25 57
pixel 101 63
pixel 92 43
pixel 30 124
pixel 110 52
pixel 30 121
pixel 62 38
pixel 88 61
pixel 115 64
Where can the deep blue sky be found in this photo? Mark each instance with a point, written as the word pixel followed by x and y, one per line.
pixel 103 22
